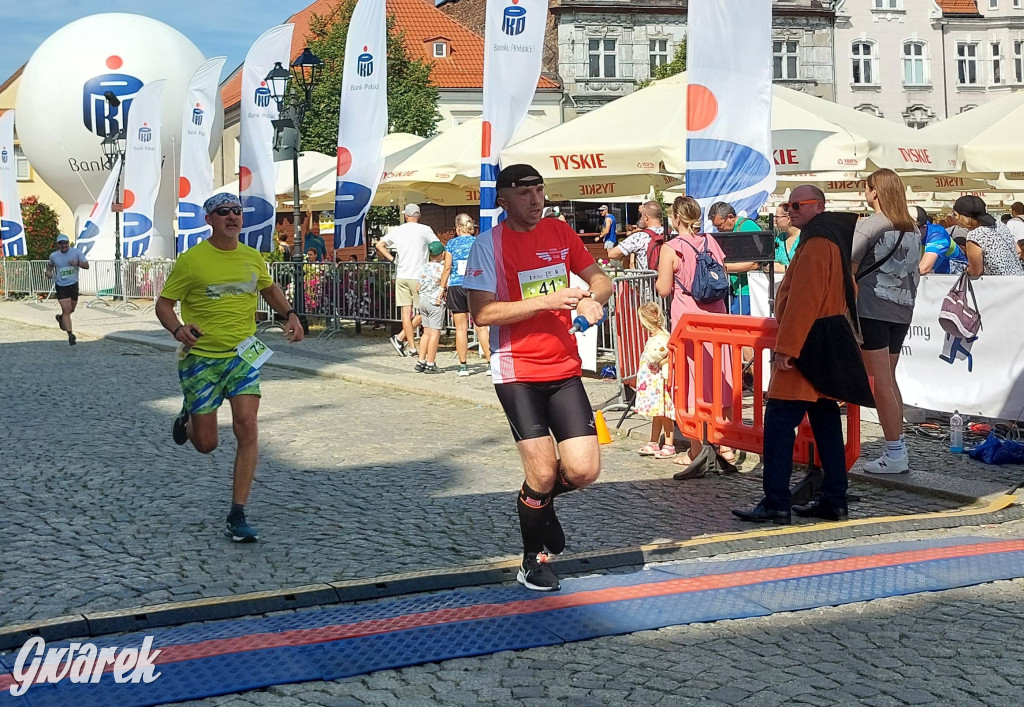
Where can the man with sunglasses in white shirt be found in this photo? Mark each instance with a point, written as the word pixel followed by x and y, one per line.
pixel 218 283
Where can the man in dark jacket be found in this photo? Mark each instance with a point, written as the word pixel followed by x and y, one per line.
pixel 817 361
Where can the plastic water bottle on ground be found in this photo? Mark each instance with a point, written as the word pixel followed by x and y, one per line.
pixel 956 433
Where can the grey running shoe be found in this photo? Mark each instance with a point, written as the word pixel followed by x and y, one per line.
pixel 463 369
pixel 536 575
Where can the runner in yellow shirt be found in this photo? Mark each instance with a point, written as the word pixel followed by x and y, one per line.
pixel 218 283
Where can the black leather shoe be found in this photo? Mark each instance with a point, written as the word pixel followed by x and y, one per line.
pixel 821 509
pixel 761 514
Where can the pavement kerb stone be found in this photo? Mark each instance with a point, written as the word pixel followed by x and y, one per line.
pixel 1001 510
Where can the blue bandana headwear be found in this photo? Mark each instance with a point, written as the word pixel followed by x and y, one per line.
pixel 218 200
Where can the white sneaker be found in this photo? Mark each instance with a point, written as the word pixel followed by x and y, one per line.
pixel 885 465
pixel 488 369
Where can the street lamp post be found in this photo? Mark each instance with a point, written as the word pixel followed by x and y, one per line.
pixel 113 148
pixel 305 71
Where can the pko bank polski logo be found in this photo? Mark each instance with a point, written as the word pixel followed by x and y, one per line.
pixel 98 113
pixel 145 133
pixel 364 64
pixel 513 21
pixel 81 663
pixel 197 115
pixel 262 96
pixel 4 156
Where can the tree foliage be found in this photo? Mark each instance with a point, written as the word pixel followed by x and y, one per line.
pixel 677 65
pixel 41 227
pixel 412 96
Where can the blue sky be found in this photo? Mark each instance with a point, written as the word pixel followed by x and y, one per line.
pixel 217 27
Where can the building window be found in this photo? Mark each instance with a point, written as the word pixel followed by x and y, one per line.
pixel 969 106
pixel 785 65
pixel 997 62
pixel 870 109
pixel 1018 61
pixel 658 53
pixel 1017 4
pixel 993 4
pixel 888 4
pixel 602 58
pixel 914 64
pixel 967 63
pixel 23 169
pixel 918 116
pixel 863 57
pixel 440 50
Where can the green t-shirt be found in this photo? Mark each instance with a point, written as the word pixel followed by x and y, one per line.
pixel 738 284
pixel 218 290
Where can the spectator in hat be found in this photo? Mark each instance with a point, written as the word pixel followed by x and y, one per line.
pixel 991 249
pixel 411 242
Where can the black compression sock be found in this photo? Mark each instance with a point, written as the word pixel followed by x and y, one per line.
pixel 533 518
pixel 237 510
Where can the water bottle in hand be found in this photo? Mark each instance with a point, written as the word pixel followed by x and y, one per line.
pixel 581 323
pixel 956 433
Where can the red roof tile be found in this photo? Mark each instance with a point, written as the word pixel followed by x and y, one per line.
pixel 958 7
pixel 421 22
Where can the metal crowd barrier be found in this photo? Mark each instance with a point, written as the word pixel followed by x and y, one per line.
pixel 627 334
pixel 17 279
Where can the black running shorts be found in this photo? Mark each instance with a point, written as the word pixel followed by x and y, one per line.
pixel 66 291
pixel 534 410
pixel 457 300
pixel 882 335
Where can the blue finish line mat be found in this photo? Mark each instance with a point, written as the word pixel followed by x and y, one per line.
pixel 192 662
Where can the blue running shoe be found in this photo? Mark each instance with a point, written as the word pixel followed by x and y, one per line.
pixel 240 531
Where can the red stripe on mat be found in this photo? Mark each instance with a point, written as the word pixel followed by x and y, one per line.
pixel 324 634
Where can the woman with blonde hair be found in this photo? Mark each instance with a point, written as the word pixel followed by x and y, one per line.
pixel 886 251
pixel 676 266
pixel 456 254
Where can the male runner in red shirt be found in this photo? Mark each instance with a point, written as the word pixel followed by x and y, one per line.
pixel 517 278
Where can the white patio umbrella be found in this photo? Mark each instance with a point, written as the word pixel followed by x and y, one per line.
pixel 990 137
pixel 643 135
pixel 312 167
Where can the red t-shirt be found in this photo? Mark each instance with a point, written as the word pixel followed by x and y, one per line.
pixel 515 266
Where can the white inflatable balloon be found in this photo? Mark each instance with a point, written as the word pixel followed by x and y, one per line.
pixel 62 115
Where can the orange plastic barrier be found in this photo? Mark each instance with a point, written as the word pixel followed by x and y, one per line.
pixel 709 385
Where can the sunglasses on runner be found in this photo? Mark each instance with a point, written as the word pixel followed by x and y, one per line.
pixel 795 205
pixel 225 210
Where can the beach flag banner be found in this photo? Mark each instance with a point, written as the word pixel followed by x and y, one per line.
pixel 513 48
pixel 729 103
pixel 142 164
pixel 257 172
pixel 12 228
pixel 92 240
pixel 362 121
pixel 195 184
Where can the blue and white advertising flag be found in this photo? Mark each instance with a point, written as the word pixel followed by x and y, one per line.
pixel 92 240
pixel 362 120
pixel 513 48
pixel 729 103
pixel 142 164
pixel 195 185
pixel 12 229
pixel 257 172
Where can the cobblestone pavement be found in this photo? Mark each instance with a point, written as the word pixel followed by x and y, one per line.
pixel 102 511
pixel 958 647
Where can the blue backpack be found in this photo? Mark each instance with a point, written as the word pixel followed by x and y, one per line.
pixel 710 283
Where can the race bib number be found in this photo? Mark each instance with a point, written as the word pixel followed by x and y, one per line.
pixel 460 267
pixel 254 352
pixel 66 272
pixel 543 281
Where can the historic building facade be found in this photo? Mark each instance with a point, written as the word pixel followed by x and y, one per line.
pixel 606 47
pixel 919 61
